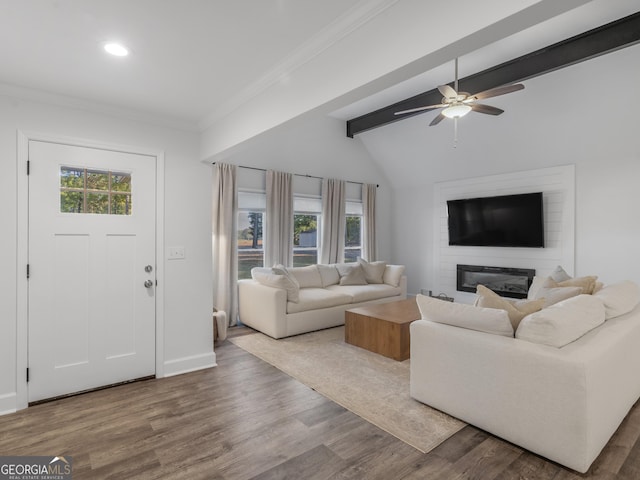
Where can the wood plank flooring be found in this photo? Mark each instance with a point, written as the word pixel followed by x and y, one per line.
pixel 247 420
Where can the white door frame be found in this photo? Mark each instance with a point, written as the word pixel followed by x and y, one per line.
pixel 22 248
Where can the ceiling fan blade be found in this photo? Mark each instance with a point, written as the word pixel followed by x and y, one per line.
pixel 437 120
pixel 489 110
pixel 420 109
pixel 494 92
pixel 448 92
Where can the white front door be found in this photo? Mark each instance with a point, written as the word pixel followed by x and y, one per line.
pixel 92 253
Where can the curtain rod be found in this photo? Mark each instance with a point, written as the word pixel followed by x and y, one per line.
pixel 296 174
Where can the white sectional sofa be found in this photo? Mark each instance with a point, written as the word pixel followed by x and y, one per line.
pixel 559 388
pixel 283 302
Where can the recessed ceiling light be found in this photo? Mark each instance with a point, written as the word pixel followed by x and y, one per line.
pixel 116 49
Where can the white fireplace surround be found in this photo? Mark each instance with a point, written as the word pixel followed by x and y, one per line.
pixel 557 185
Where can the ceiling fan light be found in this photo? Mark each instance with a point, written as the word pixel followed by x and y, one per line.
pixel 456 111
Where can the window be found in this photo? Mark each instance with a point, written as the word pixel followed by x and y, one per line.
pixel 353 232
pixel 95 191
pixel 251 207
pixel 306 230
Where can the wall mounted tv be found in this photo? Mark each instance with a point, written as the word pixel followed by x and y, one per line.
pixel 504 221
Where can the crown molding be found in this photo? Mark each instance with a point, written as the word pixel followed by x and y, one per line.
pixel 354 18
pixel 48 98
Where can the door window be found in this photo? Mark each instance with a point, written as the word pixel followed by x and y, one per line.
pixel 84 190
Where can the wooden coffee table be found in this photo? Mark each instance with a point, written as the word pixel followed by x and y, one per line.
pixel 382 328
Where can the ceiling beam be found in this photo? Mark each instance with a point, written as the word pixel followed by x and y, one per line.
pixel 599 41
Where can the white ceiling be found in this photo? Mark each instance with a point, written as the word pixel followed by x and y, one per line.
pixel 189 58
pixel 194 61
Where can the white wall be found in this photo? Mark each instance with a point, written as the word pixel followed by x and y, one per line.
pixel 188 283
pixel 584 115
pixel 317 145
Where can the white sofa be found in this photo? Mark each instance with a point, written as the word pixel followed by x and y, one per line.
pixel 563 403
pixel 316 299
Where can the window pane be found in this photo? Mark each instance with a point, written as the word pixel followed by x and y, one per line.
pixel 352 233
pixel 305 240
pixel 71 202
pixel 250 251
pixel 304 256
pixel 71 177
pixel 78 194
pixel 121 204
pixel 352 254
pixel 97 180
pixel 120 182
pixel 305 230
pixel 97 203
pixel 247 259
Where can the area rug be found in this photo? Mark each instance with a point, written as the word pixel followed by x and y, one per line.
pixel 370 385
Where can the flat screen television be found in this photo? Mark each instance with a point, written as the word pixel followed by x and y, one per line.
pixel 503 221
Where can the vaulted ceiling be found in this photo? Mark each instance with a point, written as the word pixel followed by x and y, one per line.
pixel 232 69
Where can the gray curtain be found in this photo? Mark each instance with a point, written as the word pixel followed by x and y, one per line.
pixel 369 241
pixel 278 240
pixel 225 244
pixel 333 221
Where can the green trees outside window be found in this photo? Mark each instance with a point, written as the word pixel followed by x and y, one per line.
pixel 95 191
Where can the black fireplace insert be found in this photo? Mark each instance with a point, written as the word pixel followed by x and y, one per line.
pixel 507 282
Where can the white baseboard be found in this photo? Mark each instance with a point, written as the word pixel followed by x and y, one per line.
pixel 8 403
pixel 189 364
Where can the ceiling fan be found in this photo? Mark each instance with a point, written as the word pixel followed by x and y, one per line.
pixel 457 104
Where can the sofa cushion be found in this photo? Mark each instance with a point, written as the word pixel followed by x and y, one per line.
pixel 393 274
pixel 563 322
pixel 329 275
pixel 516 310
pixel 308 277
pixel 351 274
pixel 373 271
pixel 488 320
pixel 619 298
pixel 317 298
pixel 269 277
pixel 365 293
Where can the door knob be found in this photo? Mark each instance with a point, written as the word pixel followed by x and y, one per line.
pixel 148 283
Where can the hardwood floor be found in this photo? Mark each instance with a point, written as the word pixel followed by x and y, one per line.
pixel 247 420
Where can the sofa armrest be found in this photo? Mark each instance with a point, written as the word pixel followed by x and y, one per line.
pixel 262 307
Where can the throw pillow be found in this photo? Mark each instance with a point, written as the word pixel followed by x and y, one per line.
pixel 619 298
pixel 559 275
pixel 588 284
pixel 517 311
pixel 536 284
pixel 329 275
pixel 373 271
pixel 563 322
pixel 487 320
pixel 266 276
pixel 307 277
pixel 552 293
pixel 354 275
pixel 393 274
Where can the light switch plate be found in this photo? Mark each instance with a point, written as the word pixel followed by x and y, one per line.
pixel 176 253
